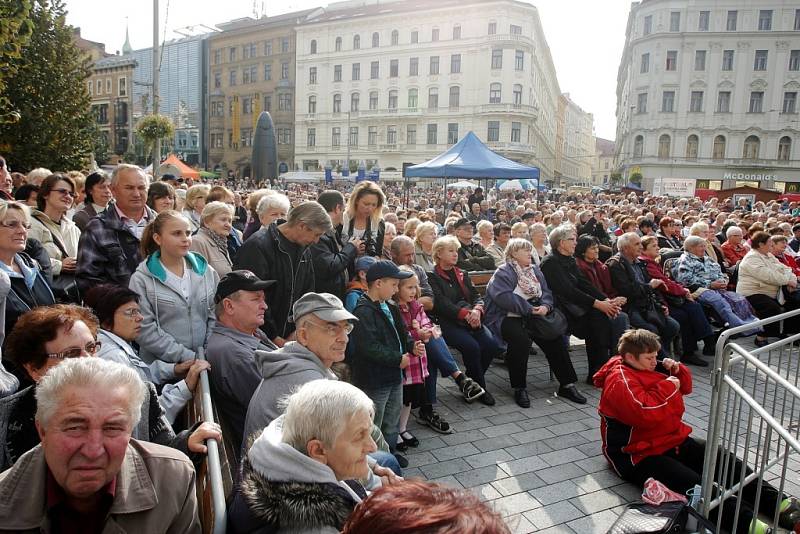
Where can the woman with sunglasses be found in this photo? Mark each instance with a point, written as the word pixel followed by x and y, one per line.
pixel 52 228
pixel 29 287
pixel 45 337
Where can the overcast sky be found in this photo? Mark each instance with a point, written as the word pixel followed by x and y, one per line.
pixel 585 37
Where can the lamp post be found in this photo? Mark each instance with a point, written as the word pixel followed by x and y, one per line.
pixel 157 146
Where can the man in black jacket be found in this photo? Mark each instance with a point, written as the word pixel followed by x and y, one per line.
pixel 332 257
pixel 282 252
pixel 471 255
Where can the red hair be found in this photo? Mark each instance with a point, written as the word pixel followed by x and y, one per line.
pixel 417 506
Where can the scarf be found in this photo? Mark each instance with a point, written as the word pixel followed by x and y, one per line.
pixel 527 281
pixel 26 273
pixel 220 242
pixel 459 276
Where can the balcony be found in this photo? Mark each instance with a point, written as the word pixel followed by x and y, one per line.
pixel 389 148
pixel 513 39
pixel 515 109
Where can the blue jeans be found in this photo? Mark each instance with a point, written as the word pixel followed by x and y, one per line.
pixel 694 325
pixel 386 459
pixel 477 347
pixel 619 324
pixel 439 361
pixel 723 308
pixel 667 332
pixel 388 402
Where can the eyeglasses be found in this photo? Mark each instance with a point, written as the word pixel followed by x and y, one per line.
pixel 133 312
pixel 90 348
pixel 65 192
pixel 16 224
pixel 333 330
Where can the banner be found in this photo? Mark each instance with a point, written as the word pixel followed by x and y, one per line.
pixel 674 187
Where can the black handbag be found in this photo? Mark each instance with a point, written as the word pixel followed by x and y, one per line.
pixel 547 327
pixel 643 518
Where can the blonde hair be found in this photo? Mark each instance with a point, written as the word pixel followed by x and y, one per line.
pixel 148 245
pixel 442 243
pixel 411 226
pixel 212 209
pixel 6 205
pixel 483 224
pixel 196 192
pixel 408 269
pixel 365 188
pixel 422 228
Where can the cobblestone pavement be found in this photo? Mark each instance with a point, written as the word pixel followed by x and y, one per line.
pixel 541 467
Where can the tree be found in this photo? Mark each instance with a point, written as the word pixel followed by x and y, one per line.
pixel 55 127
pixel 636 178
pixel 15 30
pixel 100 148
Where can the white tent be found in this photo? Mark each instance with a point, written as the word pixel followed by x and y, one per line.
pixel 298 176
pixel 462 184
pixel 510 185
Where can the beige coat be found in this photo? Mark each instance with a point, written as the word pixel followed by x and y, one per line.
pixel 155 492
pixel 47 231
pixel 204 245
pixel 762 274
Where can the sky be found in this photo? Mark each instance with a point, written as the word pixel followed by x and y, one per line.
pixel 586 37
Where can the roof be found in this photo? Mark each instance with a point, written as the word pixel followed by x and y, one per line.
pixel 247 22
pixel 604 146
pixel 115 61
pixel 332 12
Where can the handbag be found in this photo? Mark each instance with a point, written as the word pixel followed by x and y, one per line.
pixel 547 327
pixel 674 300
pixel 642 518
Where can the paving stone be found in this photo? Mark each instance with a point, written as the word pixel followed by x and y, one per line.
pixel 448 481
pixel 592 503
pixel 599 522
pixel 523 465
pixel 562 456
pixel 442 469
pixel 418 459
pixel 482 475
pixel 484 459
pixel 455 451
pixel 515 504
pixel 593 464
pixel 556 492
pixel 519 525
pixel 490 444
pixel 501 430
pixel 553 514
pixel 485 492
pixel 535 434
pixel 519 483
pixel 597 481
pixel 559 473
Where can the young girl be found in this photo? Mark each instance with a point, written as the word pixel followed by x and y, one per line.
pixel 176 288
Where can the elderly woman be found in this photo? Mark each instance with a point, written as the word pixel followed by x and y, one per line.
pixel 485 235
pixel 423 245
pixel 517 299
pixel 588 310
pixel 541 249
pixel 702 229
pixel 520 230
pixel 98 195
pixel 272 207
pixel 460 311
pixel 160 197
pixel 734 248
pixel 45 337
pixel 669 235
pixel 704 278
pixel 362 217
pixel 50 226
pixel 762 279
pixel 497 250
pixel 29 287
pixel 211 240
pixel 195 202
pixel 253 224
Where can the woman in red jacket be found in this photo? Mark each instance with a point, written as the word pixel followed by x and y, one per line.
pixel 641 423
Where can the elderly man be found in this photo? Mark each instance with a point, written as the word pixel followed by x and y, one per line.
pixel 403 253
pixel 232 345
pixel 331 255
pixel 88 474
pixel 282 252
pixel 108 251
pixel 471 255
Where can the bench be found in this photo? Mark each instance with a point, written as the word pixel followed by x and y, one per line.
pixel 480 279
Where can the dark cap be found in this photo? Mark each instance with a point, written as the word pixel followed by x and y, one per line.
pixel 237 281
pixel 365 262
pixel 461 222
pixel 386 269
pixel 324 305
pixel 170 178
pixel 528 215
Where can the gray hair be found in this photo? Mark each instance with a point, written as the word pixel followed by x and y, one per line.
pixel 693 241
pixel 312 214
pixel 272 200
pixel 321 409
pixel 560 233
pixel 698 227
pixel 122 167
pixel 212 209
pixel 389 228
pixel 93 374
pixel 39 173
pixel 733 230
pixel 625 239
pixel 399 242
pixel 484 224
pixel 516 244
pixel 538 227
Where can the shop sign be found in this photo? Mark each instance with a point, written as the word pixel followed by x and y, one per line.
pixel 675 187
pixel 748 177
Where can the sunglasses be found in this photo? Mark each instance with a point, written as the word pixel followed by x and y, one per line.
pixel 65 192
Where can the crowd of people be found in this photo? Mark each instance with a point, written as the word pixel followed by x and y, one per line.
pixel 327 315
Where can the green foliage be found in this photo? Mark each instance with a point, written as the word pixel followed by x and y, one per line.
pixel 55 127
pixel 615 177
pixel 154 127
pixel 15 30
pixel 636 178
pixel 100 149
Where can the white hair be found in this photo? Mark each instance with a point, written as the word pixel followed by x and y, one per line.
pixel 321 409
pixel 212 209
pixel 733 230
pixel 484 224
pixel 39 174
pixel 693 241
pixel 273 200
pixel 92 374
pixel 698 227
pixel 119 169
pixel 389 228
pixel 515 244
pixel 560 233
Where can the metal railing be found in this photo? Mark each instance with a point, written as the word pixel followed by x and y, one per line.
pixel 754 414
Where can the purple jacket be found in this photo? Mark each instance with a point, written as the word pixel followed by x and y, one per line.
pixel 500 298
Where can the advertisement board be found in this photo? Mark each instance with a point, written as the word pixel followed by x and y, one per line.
pixel 674 187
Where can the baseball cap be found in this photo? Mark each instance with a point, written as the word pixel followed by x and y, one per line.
pixel 239 280
pixel 461 222
pixel 364 263
pixel 324 305
pixel 528 215
pixel 386 269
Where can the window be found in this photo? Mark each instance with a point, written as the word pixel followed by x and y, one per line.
pixel 760 62
pixel 374 70
pixel 790 102
pixel 412 98
pixel 718 152
pixel 411 134
pixel 356 71
pixel 784 148
pixel 727 60
pixel 217 109
pixel 286 136
pixel 692 144
pixel 515 30
pixel 664 146
pixel 452 133
pixel 435 35
pixel 702 21
pixel 393 99
pixel 493 131
pixel 356 42
pixel 675 21
pixel 217 57
pixel 696 102
pixel 337 103
pixel 395 37
pixel 432 134
pixel 354 98
pixel 641 103
pixel 217 81
pixel 267 72
pixel 373 100
pixel 372 135
pixel 797 20
pixel 516 132
pixel 495 91
pixel 433 98
pixel 456 32
pixel 313 48
pixel 672 59
pixel 268 103
pixel 337 73
pixel 249 74
pixel 312 104
pixel 391 135
pixel 751 147
pixel 413 66
pixel 268 47
pixel 638 146
pixel 246 137
pixel 336 137
pixel 455 97
pixel 376 40
pixel 668 102
pixel 353 138
pixel 497 58
pixel 285 102
pixel 492 28
pixel 644 65
pixel 455 63
pixel 338 46
pixel 724 102
pixel 216 140
pixel 648 25
pixel 284 45
pixel 414 37
pixel 765 20
pixel 699 60
pixel 232 54
pixel 122 86
pixel 733 17
pixel 284 70
pixel 311 139
pixel 108 86
pixel 794 60
pixel 312 75
pixel 434 65
pixel 231 78
pixel 756 102
pixel 394 68
pixel 519 60
pixel 517 93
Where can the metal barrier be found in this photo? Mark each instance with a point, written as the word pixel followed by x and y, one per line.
pixel 754 414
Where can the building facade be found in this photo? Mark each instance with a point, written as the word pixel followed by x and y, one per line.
pixel 574 144
pixel 396 83
pixel 709 92
pixel 603 165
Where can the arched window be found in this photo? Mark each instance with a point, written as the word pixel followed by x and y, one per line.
pixel 337 103
pixel 395 37
pixel 664 146
pixel 393 99
pixel 413 98
pixel 356 42
pixel 638 146
pixel 433 98
pixel 455 97
pixel 338 44
pixel 751 147
pixel 495 90
pixel 784 148
pixel 719 147
pixel 692 144
pixel 312 104
pixel 376 40
pixel 373 100
pixel 313 46
pixel 354 98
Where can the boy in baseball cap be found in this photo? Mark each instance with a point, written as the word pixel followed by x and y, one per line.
pixel 358 285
